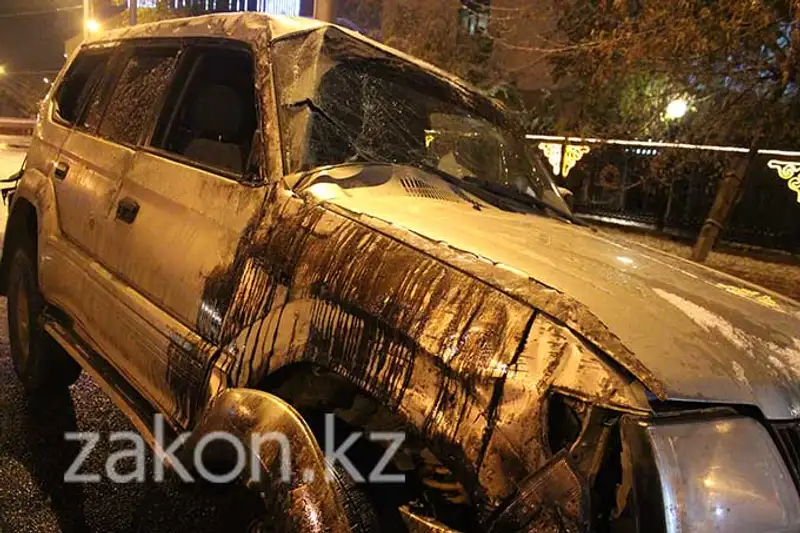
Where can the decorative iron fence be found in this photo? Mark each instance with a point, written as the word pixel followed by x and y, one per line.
pixel 668 188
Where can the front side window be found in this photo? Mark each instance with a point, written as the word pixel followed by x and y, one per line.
pixel 139 90
pixel 211 120
pixel 83 75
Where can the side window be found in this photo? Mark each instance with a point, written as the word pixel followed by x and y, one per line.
pixel 212 119
pixel 101 96
pixel 138 92
pixel 83 74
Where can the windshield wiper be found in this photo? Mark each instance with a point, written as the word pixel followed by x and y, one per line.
pixel 527 199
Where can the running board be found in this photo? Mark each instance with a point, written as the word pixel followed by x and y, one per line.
pixel 138 410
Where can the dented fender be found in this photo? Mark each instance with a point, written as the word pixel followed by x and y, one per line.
pixel 464 363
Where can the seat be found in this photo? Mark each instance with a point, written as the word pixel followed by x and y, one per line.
pixel 215 118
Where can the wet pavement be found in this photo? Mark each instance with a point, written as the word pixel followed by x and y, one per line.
pixel 34 457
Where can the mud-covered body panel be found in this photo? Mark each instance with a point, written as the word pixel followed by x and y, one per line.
pixel 466 364
pixel 688 332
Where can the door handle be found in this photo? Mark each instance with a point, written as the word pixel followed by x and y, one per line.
pixel 127 209
pixel 61 170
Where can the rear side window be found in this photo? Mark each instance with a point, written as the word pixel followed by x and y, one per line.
pixel 83 75
pixel 212 119
pixel 139 91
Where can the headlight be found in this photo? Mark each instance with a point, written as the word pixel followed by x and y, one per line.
pixel 724 476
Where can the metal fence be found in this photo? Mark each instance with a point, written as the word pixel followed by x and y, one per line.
pixel 671 190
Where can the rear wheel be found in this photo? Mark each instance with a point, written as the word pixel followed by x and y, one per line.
pixel 40 362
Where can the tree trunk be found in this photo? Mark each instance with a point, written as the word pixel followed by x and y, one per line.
pixel 728 192
pixel 734 181
pixel 134 4
pixel 325 10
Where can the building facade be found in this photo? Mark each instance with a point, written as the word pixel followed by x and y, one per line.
pixel 272 7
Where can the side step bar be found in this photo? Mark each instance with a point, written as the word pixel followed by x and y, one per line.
pixel 140 412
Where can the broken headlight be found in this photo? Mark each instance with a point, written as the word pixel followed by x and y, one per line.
pixel 723 475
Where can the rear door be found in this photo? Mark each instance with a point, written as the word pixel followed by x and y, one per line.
pixel 117 118
pixel 62 280
pixel 100 149
pixel 180 215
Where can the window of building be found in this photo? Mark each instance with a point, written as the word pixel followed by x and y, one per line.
pixel 215 118
pixel 81 78
pixel 140 89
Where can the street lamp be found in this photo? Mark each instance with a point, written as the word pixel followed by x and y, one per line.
pixel 677 109
pixel 92 26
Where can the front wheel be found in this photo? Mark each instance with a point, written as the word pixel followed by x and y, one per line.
pixel 39 362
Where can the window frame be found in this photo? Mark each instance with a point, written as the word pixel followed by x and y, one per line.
pixel 106 85
pixel 191 45
pixel 112 52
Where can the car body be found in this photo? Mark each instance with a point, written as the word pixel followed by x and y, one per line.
pixel 235 220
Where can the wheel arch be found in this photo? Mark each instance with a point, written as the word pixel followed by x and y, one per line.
pixel 23 225
pixel 297 493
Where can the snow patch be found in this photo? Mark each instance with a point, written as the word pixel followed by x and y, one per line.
pixel 738 371
pixel 709 321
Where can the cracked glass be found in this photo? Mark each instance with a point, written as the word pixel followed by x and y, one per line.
pixel 139 90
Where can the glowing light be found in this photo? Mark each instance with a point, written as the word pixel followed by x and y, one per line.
pixel 325 191
pixel 553 151
pixel 789 171
pixel 2 70
pixel 92 26
pixel 676 109
pixel 662 144
pixel 625 260
pixel 46 80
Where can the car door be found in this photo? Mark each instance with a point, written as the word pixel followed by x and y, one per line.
pixel 89 169
pixel 98 153
pixel 181 212
pixel 63 280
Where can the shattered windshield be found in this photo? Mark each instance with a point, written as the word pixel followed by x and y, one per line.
pixel 344 101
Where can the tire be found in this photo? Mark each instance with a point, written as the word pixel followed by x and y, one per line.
pixel 361 515
pixel 41 364
pixel 364 514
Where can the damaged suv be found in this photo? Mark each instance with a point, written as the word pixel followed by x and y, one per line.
pixel 242 222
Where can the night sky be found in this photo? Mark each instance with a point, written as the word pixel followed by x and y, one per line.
pixel 36 42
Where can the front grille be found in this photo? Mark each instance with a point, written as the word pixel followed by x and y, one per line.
pixel 788 439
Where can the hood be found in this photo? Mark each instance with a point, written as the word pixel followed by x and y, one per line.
pixel 707 336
